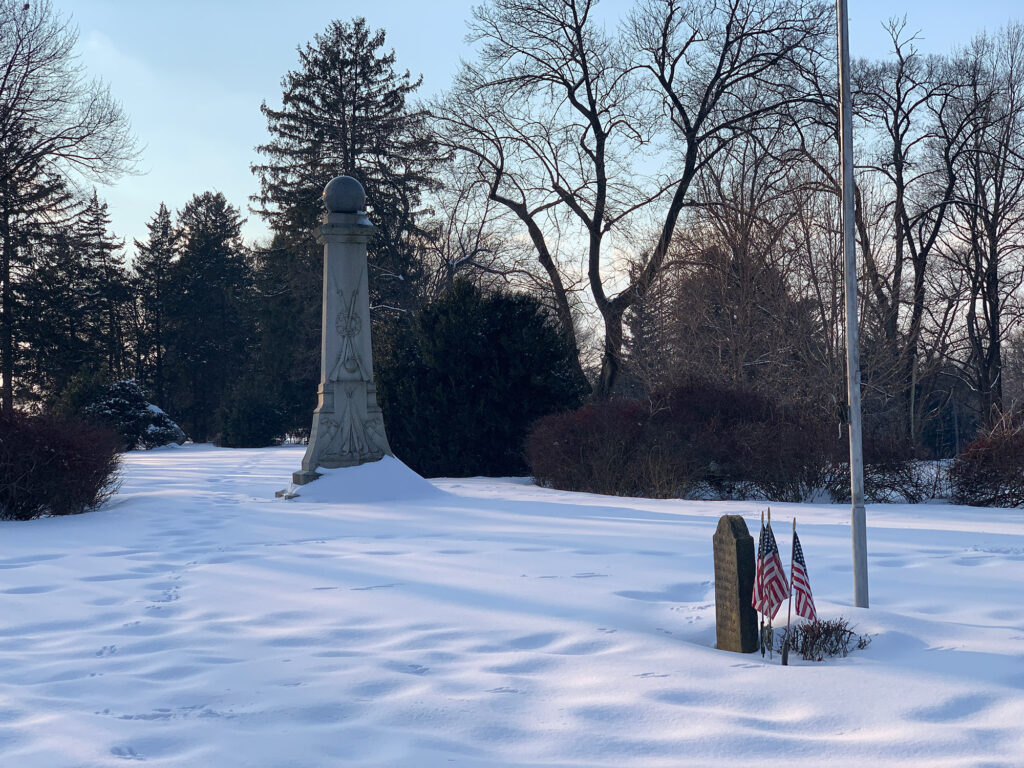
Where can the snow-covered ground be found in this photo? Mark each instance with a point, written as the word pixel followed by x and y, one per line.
pixel 198 621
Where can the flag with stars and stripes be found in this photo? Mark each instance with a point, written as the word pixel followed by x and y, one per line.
pixel 770 587
pixel 801 583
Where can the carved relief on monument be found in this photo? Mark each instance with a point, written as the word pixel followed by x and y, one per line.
pixel 348 434
pixel 348 324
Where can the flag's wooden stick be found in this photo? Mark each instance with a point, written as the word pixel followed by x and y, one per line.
pixel 770 635
pixel 760 571
pixel 789 610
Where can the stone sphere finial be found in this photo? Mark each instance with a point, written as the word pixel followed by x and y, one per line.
pixel 343 194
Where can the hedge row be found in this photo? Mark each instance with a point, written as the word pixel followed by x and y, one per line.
pixel 698 440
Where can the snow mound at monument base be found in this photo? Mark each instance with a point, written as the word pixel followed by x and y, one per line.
pixel 385 480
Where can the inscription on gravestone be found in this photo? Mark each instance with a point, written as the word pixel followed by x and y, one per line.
pixel 735 618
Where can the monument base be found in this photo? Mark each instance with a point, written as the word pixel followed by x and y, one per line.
pixel 303 477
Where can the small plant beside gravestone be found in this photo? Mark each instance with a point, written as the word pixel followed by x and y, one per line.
pixel 823 639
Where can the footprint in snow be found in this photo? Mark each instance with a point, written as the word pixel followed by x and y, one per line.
pixel 408 669
pixel 29 590
pixel 533 642
pixel 126 753
pixel 26 560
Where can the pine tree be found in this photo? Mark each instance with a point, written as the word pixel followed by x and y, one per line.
pixel 461 385
pixel 287 371
pixel 53 337
pixel 106 286
pixel 153 266
pixel 34 204
pixel 206 325
pixel 343 111
pixel 75 281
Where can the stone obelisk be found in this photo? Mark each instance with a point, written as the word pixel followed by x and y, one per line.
pixel 348 427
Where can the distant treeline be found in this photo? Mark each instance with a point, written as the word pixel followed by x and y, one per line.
pixel 590 211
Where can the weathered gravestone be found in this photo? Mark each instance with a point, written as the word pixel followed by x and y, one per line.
pixel 735 618
pixel 348 428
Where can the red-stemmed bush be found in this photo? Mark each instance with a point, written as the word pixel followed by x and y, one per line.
pixel 697 440
pixel 607 447
pixel 990 471
pixel 51 466
pixel 895 473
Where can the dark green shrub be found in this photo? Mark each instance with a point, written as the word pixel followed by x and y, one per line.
pixel 119 405
pixel 123 406
pixel 990 471
pixel 52 466
pixel 462 383
pixel 250 417
pixel 84 388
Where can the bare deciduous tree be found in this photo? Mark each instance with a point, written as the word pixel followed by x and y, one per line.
pixel 915 136
pixel 985 239
pixel 563 122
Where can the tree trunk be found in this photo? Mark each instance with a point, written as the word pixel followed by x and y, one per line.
pixel 6 316
pixel 611 358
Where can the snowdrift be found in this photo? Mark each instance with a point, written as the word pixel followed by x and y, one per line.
pixel 198 621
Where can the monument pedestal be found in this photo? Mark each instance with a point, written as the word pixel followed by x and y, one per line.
pixel 302 477
pixel 348 426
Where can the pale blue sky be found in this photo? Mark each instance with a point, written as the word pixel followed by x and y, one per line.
pixel 192 73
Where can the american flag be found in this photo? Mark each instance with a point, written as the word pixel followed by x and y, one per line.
pixel 801 583
pixel 770 588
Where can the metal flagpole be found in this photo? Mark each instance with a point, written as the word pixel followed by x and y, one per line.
pixel 789 610
pixel 857 514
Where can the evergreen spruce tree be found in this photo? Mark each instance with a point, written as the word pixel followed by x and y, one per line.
pixel 344 111
pixel 152 274
pixel 55 345
pixel 285 370
pixel 106 286
pixel 463 383
pixel 206 326
pixel 75 282
pixel 34 205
